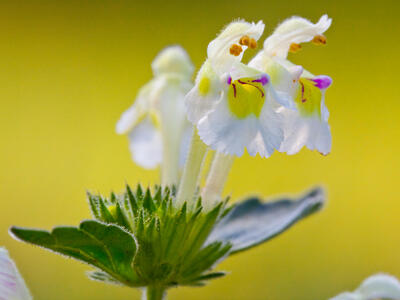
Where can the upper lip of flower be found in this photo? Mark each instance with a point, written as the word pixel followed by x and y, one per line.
pixel 228 48
pixel 295 30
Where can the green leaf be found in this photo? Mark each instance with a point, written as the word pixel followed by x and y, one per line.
pixel 139 192
pixel 113 198
pixel 105 215
pixel 148 203
pixel 121 219
pixel 94 205
pixel 132 200
pixel 105 246
pixel 253 222
pixel 99 209
pixel 206 258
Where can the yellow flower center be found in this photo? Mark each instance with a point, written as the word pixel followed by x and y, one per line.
pixel 246 96
pixel 308 97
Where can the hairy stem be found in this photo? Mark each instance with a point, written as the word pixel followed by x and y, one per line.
pixel 191 171
pixel 216 179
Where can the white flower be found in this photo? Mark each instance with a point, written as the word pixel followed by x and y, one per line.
pixel 156 123
pixel 379 286
pixel 234 106
pixel 12 285
pixel 306 124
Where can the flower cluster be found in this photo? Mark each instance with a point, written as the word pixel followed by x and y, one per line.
pixel 266 105
pixel 270 103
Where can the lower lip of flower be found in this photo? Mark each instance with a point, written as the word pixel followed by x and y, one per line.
pixel 322 81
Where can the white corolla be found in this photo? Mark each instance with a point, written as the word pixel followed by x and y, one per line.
pixel 156 123
pixel 307 124
pixel 233 105
pixel 379 286
pixel 12 285
pixel 269 104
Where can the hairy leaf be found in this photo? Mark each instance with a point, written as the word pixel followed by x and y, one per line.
pixel 105 246
pixel 252 222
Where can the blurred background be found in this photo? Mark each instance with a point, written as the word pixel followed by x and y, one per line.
pixel 68 69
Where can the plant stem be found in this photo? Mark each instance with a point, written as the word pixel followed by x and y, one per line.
pixel 191 171
pixel 216 179
pixel 154 293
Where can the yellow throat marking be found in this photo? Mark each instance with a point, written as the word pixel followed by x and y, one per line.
pixel 246 96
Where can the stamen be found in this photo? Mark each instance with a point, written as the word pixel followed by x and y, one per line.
pixel 244 40
pixel 253 44
pixel 235 50
pixel 294 47
pixel 319 40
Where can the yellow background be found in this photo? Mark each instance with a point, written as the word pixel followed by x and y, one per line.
pixel 69 68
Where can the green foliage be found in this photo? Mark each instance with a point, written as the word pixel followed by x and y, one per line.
pixel 105 246
pixel 139 238
pixel 252 221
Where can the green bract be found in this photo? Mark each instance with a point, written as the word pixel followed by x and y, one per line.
pixel 139 238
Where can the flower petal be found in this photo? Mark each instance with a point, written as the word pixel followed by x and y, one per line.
pixel 145 144
pixel 379 286
pixel 223 132
pixel 308 125
pixel 173 59
pixel 283 79
pixel 270 134
pixel 294 30
pixel 204 95
pixel 12 285
pixel 348 296
pixel 219 49
pixel 311 132
pixel 138 110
